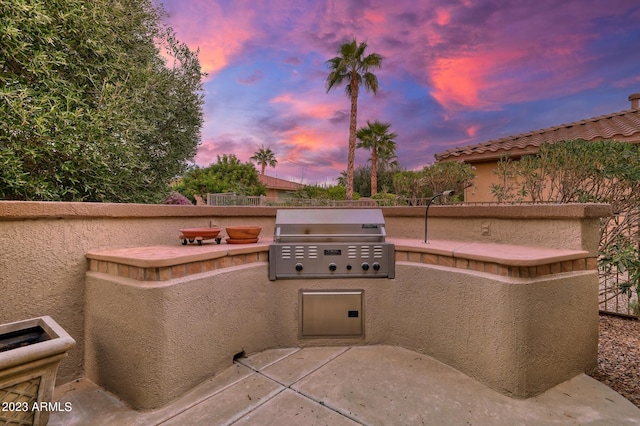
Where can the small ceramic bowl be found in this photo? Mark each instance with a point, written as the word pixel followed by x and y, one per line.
pixel 243 232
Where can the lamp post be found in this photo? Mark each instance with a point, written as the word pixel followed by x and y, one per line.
pixel 446 194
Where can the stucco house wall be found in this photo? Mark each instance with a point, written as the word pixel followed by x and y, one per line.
pixel 623 126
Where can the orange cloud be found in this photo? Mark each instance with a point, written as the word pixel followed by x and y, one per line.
pixel 219 34
pixel 215 53
pixel 477 81
pixel 309 107
pixel 457 81
pixel 306 140
pixel 301 139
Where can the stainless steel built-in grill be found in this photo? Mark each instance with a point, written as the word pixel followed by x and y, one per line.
pixel 330 243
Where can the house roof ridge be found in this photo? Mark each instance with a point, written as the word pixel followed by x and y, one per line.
pixel 588 129
pixel 279 183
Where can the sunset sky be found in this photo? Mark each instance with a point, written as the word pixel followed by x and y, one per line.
pixel 455 73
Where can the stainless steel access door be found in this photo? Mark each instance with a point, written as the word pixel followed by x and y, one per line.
pixel 331 313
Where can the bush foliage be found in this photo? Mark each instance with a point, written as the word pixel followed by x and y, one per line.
pixel 227 175
pixel 434 179
pixel 91 110
pixel 586 172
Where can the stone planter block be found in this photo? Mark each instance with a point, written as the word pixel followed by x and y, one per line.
pixel 28 371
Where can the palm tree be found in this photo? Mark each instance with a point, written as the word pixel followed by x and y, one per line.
pixel 352 68
pixel 375 138
pixel 387 159
pixel 264 157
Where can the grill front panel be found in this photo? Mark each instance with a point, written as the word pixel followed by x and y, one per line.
pixel 330 243
pixel 331 260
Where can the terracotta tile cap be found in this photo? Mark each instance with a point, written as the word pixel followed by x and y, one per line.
pixel 161 256
pixel 504 254
pixel 513 255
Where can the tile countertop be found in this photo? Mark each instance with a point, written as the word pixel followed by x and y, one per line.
pixel 506 254
pixel 160 256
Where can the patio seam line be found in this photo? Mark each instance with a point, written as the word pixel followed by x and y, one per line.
pixel 287 356
pixel 236 418
pixel 201 400
pixel 336 410
pixel 239 361
pixel 347 348
pixel 321 403
pixel 242 413
pixel 238 415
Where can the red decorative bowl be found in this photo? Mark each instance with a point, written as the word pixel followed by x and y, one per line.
pixel 243 232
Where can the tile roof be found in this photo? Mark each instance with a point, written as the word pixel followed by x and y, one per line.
pixel 622 126
pixel 274 183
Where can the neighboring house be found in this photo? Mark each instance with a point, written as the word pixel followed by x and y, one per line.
pixel 623 126
pixel 277 187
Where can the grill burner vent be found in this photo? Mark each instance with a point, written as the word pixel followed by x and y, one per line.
pixel 330 243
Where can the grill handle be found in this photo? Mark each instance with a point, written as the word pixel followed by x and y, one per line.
pixel 312 236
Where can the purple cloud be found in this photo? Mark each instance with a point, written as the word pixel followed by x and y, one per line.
pixel 454 73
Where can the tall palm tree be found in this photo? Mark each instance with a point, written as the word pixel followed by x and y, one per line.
pixel 264 157
pixel 352 68
pixel 375 137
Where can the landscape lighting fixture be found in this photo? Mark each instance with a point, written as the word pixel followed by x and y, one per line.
pixel 443 193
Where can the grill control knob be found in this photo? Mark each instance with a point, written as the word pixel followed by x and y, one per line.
pixel 332 267
pixel 298 267
pixel 376 266
pixel 348 267
pixel 365 266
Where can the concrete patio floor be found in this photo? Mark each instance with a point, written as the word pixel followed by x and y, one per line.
pixel 368 385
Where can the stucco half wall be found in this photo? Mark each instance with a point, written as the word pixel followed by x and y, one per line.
pixel 150 342
pixel 43 245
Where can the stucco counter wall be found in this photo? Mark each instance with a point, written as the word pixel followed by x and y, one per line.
pixel 150 341
pixel 43 245
pixel 520 336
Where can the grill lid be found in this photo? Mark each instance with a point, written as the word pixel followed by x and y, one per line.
pixel 329 225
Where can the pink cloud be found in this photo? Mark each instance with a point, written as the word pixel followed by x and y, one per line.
pixel 375 17
pixel 308 106
pixel 627 81
pixel 473 55
pixel 219 33
pixel 457 81
pixel 472 131
pixel 302 139
pixel 443 17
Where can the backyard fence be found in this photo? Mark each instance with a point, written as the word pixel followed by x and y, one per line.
pixel 618 290
pixel 230 199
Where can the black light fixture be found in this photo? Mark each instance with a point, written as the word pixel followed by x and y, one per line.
pixel 446 194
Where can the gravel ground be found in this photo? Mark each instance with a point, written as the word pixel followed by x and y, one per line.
pixel 619 356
